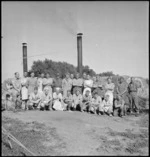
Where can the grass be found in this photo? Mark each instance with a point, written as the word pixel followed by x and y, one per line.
pixel 33 136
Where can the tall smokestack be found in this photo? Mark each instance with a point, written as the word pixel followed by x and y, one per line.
pixel 79 49
pixel 25 64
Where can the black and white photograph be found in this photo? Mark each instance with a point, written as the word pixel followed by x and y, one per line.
pixel 75 78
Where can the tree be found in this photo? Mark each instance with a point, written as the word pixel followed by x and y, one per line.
pixel 52 67
pixel 108 73
pixel 89 71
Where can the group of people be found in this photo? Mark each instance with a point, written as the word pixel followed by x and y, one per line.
pixel 83 93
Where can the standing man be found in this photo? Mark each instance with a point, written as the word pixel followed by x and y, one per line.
pixel 24 89
pixel 77 83
pixel 66 84
pixel 16 83
pixel 109 87
pixel 132 88
pixel 72 77
pixel 48 83
pixel 88 84
pixel 84 76
pixel 40 83
pixel 32 83
pixel 123 91
pixel 57 83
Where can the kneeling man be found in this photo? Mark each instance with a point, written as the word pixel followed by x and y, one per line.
pixel 106 106
pixel 34 99
pixel 77 100
pixel 87 100
pixel 96 102
pixel 46 100
pixel 68 100
pixel 119 106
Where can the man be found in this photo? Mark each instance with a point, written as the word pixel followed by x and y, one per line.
pixel 97 86
pixel 119 106
pixel 16 83
pixel 96 101
pixel 132 88
pixel 32 83
pixel 84 76
pixel 68 100
pixel 77 100
pixel 24 90
pixel 106 106
pixel 109 87
pixel 100 90
pixel 77 83
pixel 34 99
pixel 40 83
pixel 88 84
pixel 48 83
pixel 46 100
pixel 66 84
pixel 72 77
pixel 57 83
pixel 87 100
pixel 122 91
pixel 58 103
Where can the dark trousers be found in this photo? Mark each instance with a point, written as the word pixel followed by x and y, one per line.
pixel 119 110
pixel 134 100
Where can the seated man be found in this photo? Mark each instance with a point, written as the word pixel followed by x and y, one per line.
pixel 106 106
pixel 58 100
pixel 34 99
pixel 68 100
pixel 77 100
pixel 46 100
pixel 86 103
pixel 96 101
pixel 119 106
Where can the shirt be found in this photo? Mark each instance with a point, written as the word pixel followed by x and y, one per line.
pixel 119 102
pixel 97 100
pixel 77 98
pixel 34 97
pixel 46 98
pixel 67 84
pixel 17 83
pixel 57 96
pixel 68 98
pixel 88 83
pixel 47 82
pixel 106 103
pixel 122 87
pixel 87 98
pixel 109 86
pixel 77 82
pixel 58 82
pixel 32 82
pixel 132 87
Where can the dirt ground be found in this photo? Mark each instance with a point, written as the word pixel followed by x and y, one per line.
pixel 76 133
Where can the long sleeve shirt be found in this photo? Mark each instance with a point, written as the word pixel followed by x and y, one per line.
pixel 132 87
pixel 78 82
pixel 97 100
pixel 66 84
pixel 87 98
pixel 57 82
pixel 77 98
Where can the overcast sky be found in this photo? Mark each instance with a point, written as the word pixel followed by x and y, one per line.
pixel 115 35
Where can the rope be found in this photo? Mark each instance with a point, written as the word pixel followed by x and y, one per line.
pixel 16 141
